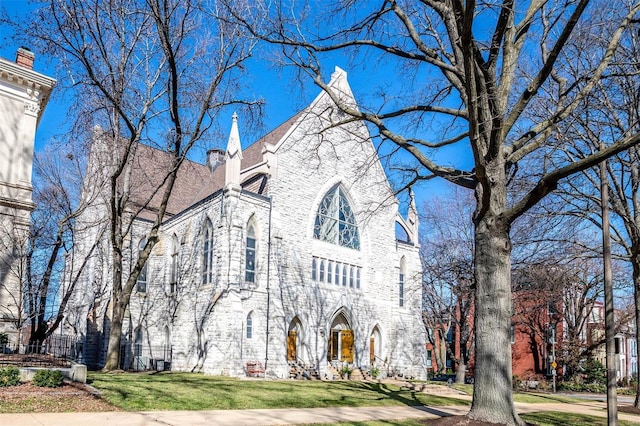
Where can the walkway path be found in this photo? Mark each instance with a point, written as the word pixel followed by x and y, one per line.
pixel 279 416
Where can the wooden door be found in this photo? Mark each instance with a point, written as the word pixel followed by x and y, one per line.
pixel 372 350
pixel 347 345
pixel 291 345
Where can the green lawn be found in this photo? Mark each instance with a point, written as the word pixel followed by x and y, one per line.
pixel 188 391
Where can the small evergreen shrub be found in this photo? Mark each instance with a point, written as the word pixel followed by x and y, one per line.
pixel 48 378
pixel 9 376
pixel 375 372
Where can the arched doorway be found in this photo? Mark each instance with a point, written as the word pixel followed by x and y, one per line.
pixel 295 339
pixel 375 345
pixel 341 338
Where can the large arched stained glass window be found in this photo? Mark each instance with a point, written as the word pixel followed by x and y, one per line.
pixel 335 221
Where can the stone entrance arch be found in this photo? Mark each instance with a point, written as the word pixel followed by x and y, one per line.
pixel 341 339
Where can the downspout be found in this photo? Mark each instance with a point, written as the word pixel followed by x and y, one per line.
pixel 266 344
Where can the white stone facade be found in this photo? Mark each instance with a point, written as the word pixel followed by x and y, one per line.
pixel 23 96
pixel 285 311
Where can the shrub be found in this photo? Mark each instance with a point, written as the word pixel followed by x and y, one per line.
pixel 595 372
pixel 48 378
pixel 9 376
pixel 517 382
pixel 375 372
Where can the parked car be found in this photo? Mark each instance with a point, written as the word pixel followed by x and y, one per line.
pixel 444 378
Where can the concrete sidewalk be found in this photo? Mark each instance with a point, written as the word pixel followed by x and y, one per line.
pixel 278 416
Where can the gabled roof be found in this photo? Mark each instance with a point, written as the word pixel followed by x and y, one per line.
pixel 194 181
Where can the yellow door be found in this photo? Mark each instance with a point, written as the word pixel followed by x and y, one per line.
pixel 372 350
pixel 291 346
pixel 347 345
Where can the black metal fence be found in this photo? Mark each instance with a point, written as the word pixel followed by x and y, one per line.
pixel 56 351
pixel 139 357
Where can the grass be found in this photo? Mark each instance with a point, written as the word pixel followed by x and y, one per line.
pixel 189 391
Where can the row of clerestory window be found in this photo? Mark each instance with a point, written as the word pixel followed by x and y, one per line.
pixel 334 272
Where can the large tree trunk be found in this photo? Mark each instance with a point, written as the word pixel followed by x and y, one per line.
pixel 492 395
pixel 635 260
pixel 115 335
pixel 461 370
pixel 117 315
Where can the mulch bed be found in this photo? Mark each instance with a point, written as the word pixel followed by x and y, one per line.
pixel 457 421
pixel 629 409
pixel 71 397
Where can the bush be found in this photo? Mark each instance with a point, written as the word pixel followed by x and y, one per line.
pixel 9 376
pixel 595 372
pixel 48 378
pixel 375 372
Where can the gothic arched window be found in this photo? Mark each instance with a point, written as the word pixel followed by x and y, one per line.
pixel 335 221
pixel 401 284
pixel 173 278
pixel 141 282
pixel 250 255
pixel 207 254
pixel 250 325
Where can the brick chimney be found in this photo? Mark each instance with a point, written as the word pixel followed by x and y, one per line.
pixel 25 57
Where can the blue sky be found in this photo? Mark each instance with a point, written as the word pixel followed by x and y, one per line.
pixel 282 97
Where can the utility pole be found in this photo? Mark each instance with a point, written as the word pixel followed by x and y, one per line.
pixel 609 325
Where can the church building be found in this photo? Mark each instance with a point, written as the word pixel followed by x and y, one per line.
pixel 286 255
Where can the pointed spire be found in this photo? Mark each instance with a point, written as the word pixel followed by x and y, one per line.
pixel 412 216
pixel 233 154
pixel 233 145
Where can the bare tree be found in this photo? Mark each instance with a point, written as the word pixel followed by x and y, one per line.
pixel 447 259
pixel 491 79
pixel 58 179
pixel 612 111
pixel 150 72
